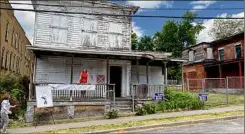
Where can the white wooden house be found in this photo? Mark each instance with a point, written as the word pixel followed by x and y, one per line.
pixel 96 36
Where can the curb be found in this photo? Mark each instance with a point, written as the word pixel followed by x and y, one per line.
pixel 210 120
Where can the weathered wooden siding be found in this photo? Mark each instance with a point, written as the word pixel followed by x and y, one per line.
pixel 51 69
pixel 82 31
pixel 155 75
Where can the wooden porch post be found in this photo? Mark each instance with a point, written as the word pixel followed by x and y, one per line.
pixel 137 71
pixel 165 74
pixel 220 71
pixel 71 80
pixel 182 75
pixel 107 73
pixel 147 73
pixel 240 68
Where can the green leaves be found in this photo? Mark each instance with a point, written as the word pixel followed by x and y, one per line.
pixel 112 114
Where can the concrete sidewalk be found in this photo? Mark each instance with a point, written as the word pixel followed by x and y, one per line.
pixel 121 120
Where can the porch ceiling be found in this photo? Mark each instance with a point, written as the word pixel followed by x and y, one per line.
pixel 160 56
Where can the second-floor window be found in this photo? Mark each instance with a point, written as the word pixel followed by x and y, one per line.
pixel 59 29
pixel 221 54
pixel 6 31
pixel 2 58
pixel 238 51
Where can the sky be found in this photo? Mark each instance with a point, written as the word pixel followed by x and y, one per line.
pixel 149 26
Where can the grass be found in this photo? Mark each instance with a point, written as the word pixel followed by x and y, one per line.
pixel 146 122
pixel 21 124
pixel 218 99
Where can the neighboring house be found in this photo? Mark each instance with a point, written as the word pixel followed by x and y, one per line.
pixel 64 44
pixel 217 59
pixel 14 56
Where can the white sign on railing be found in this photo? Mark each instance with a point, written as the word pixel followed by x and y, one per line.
pixel 44 96
pixel 72 87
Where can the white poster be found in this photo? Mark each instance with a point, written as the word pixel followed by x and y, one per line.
pixel 44 96
pixel 71 87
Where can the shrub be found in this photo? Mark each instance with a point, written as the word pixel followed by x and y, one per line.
pixel 112 114
pixel 146 109
pixel 180 100
pixel 141 111
pixel 17 87
pixel 150 108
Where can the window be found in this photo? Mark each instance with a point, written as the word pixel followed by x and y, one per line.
pixel 10 61
pixel 238 51
pixel 13 39
pixel 2 58
pixel 13 65
pixel 221 54
pixel 16 40
pixel 191 55
pixel 59 29
pixel 6 31
pixel 6 60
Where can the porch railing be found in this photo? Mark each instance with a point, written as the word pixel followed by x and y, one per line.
pixel 101 92
pixel 145 91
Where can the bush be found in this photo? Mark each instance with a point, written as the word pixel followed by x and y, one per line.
pixel 112 114
pixel 146 109
pixel 17 87
pixel 180 100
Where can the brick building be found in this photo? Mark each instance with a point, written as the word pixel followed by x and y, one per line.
pixel 14 55
pixel 218 59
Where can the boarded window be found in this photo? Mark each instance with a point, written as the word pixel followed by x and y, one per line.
pixel 89 32
pixel 191 55
pixel 238 51
pixel 115 35
pixel 59 29
pixel 221 54
pixel 210 53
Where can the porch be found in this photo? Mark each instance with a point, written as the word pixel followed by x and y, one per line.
pixel 119 78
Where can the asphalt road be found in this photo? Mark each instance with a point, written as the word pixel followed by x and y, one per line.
pixel 228 126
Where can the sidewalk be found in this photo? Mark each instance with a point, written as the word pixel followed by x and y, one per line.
pixel 121 120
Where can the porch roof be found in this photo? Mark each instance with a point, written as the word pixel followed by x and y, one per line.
pixel 145 54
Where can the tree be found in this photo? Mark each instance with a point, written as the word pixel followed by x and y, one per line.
pixel 146 44
pixel 226 28
pixel 175 34
pixel 134 41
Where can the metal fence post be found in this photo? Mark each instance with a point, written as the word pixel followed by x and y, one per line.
pixel 203 86
pixel 227 86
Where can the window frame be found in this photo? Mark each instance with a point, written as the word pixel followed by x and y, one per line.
pixel 6 31
pixel 6 60
pixel 238 44
pixel 2 58
pixel 219 53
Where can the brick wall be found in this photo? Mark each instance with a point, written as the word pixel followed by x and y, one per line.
pixel 229 48
pixel 195 71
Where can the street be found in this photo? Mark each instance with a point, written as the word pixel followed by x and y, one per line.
pixel 230 126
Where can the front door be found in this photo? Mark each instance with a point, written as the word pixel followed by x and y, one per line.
pixel 116 78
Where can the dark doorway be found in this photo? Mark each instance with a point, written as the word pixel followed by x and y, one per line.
pixel 116 78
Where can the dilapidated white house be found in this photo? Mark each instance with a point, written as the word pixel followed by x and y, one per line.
pixel 95 36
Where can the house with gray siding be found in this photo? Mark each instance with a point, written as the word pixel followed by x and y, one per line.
pixel 95 36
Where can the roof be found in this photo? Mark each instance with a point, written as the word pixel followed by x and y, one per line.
pixel 241 34
pixel 217 41
pixel 196 45
pixel 102 3
pixel 150 55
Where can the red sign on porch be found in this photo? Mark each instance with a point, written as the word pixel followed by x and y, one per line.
pixel 100 79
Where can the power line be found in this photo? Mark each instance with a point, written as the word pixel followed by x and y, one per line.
pixel 116 15
pixel 117 7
